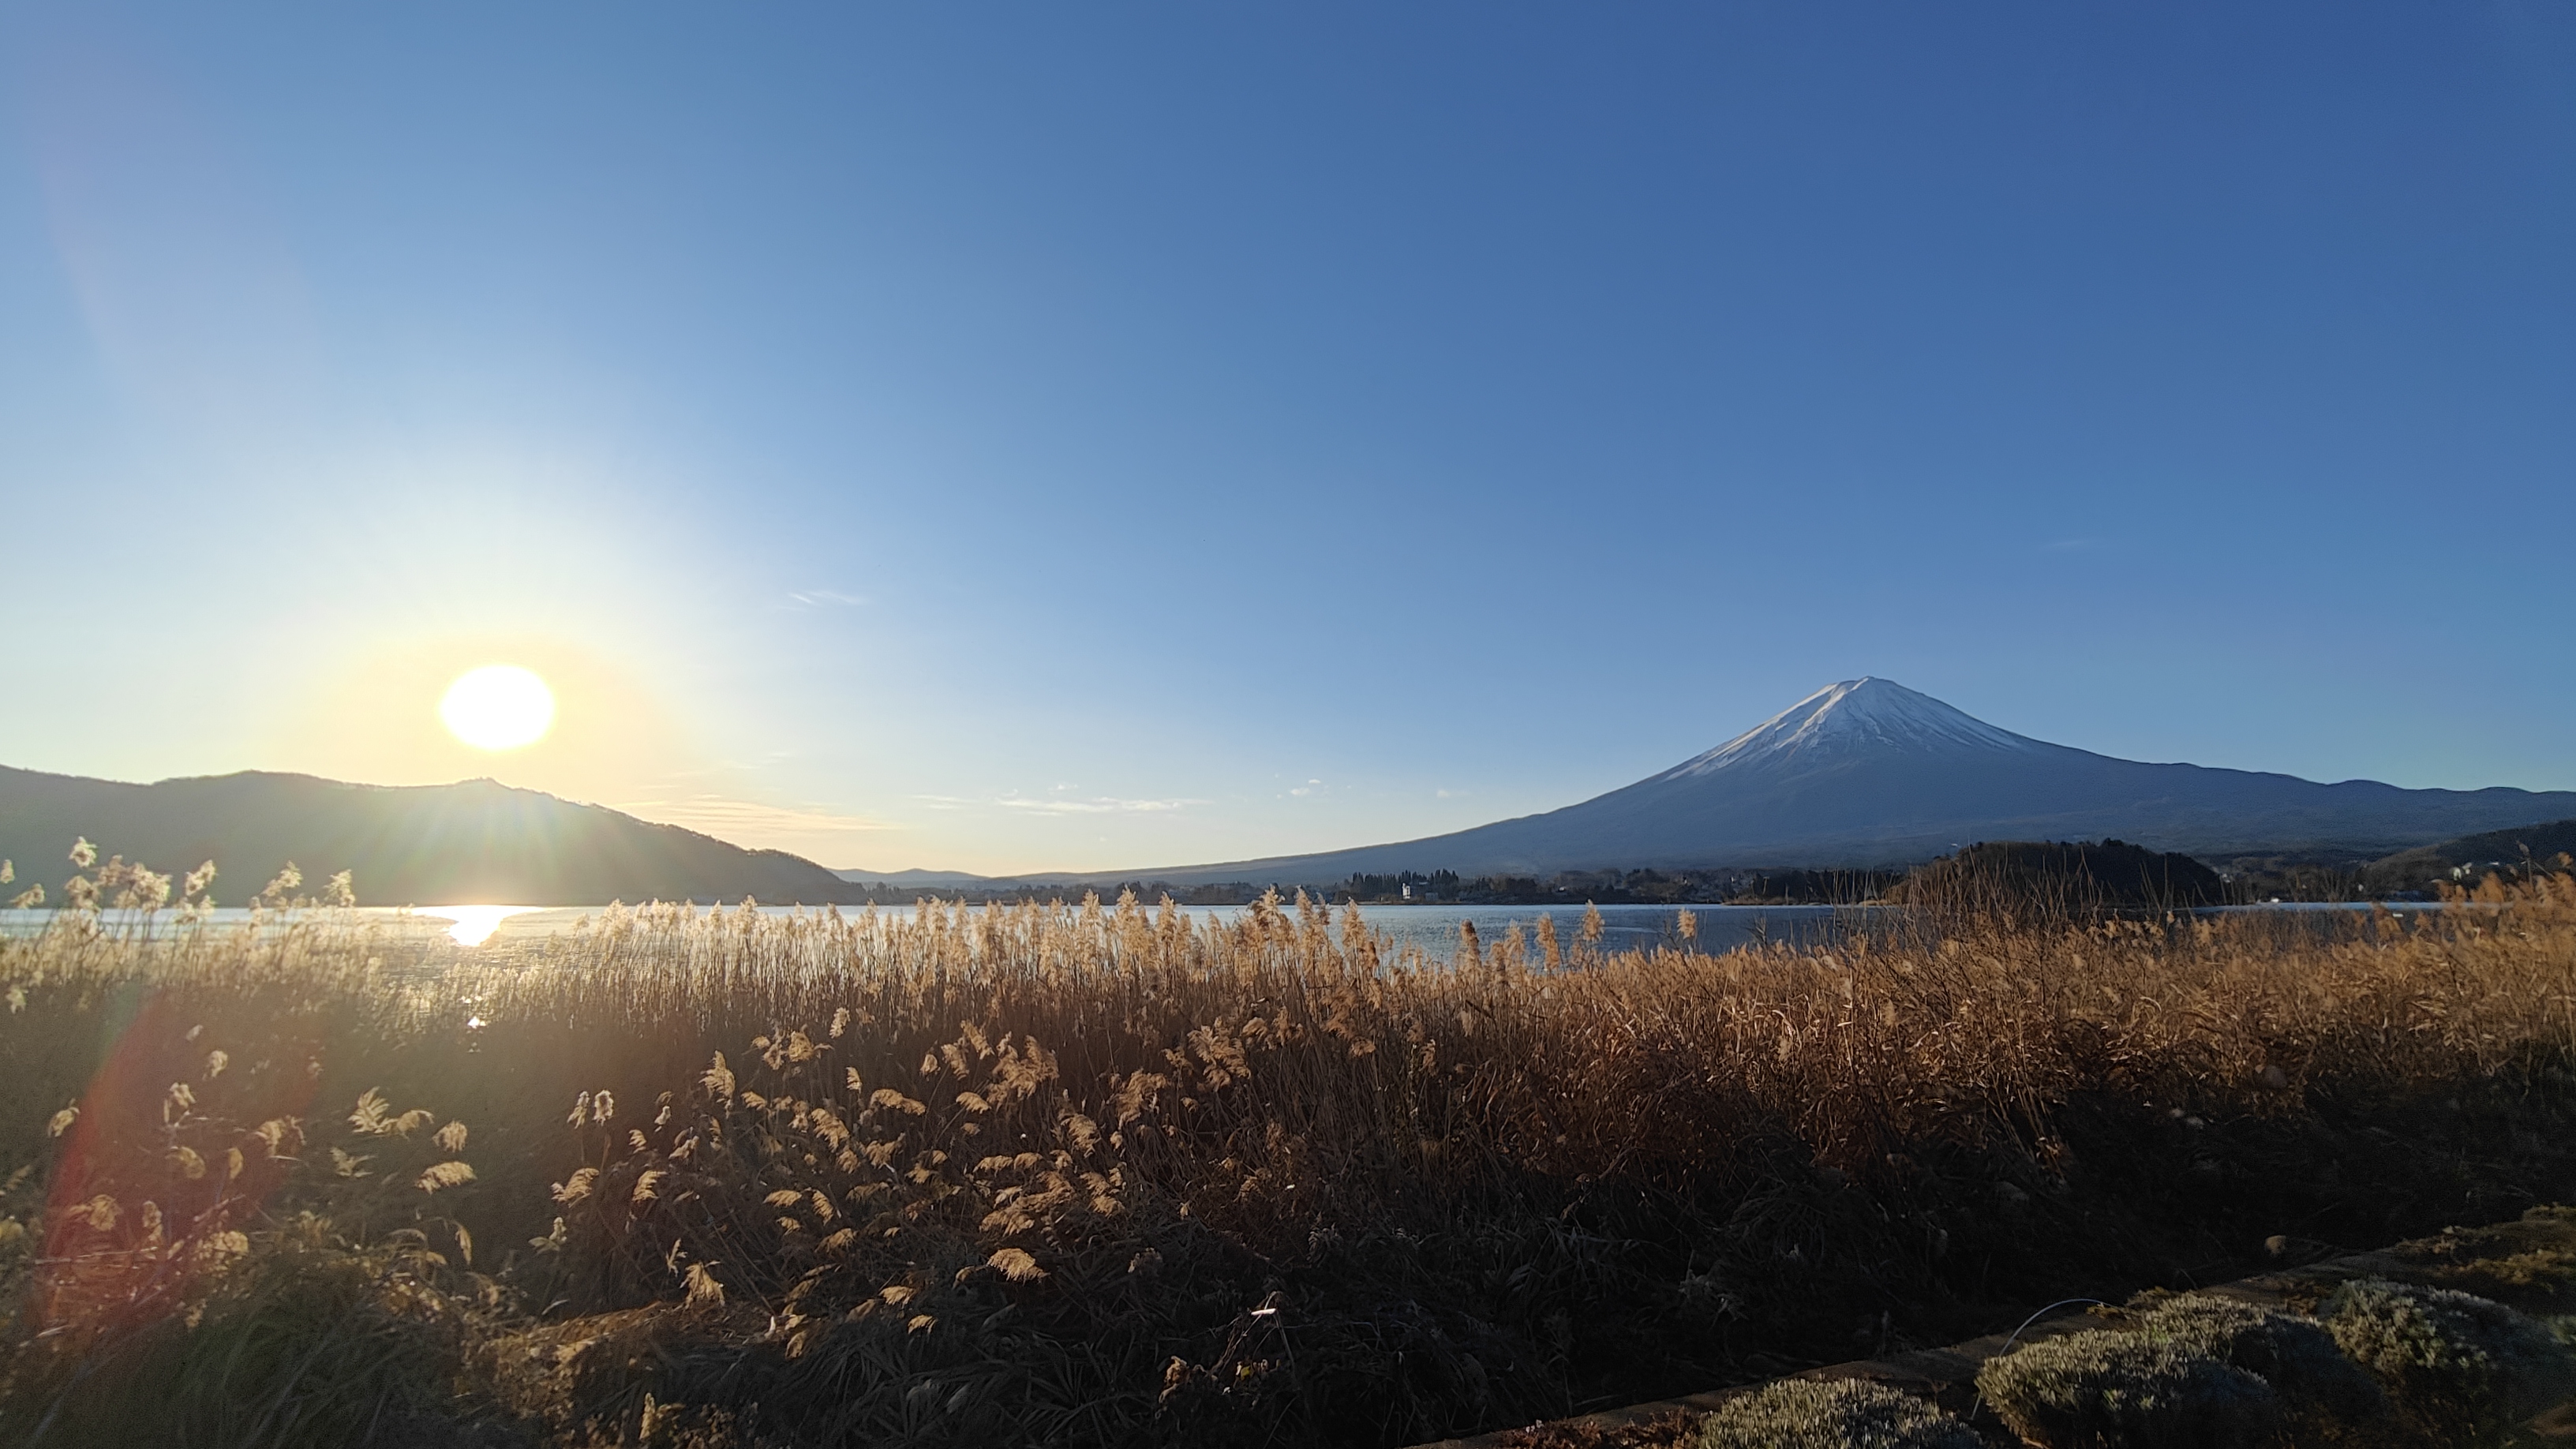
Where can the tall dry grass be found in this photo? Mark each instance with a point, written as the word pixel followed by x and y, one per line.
pixel 1098 1174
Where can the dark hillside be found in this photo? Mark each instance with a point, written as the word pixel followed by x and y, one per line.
pixel 407 845
pixel 2471 857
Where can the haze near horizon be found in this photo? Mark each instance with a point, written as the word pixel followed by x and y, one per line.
pixel 1030 440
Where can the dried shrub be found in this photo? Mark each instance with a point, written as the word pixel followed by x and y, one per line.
pixel 1098 1174
pixel 1842 1414
pixel 304 1342
pixel 2540 1276
pixel 2101 1389
pixel 2527 1264
pixel 2464 1369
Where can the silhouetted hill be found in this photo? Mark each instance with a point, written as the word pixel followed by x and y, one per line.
pixel 407 845
pixel 2061 875
pixel 1809 887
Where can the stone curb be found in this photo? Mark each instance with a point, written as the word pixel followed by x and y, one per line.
pixel 1949 1373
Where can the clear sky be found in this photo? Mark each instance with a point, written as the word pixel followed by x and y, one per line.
pixel 1078 436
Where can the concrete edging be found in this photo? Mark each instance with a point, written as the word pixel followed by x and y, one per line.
pixel 1949 1373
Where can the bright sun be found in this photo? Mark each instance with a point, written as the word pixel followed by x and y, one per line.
pixel 498 707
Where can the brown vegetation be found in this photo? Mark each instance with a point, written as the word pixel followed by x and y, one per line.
pixel 1095 1175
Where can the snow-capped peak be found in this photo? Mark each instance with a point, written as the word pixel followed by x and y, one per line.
pixel 1856 714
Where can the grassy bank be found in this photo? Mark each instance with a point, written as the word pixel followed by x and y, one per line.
pixel 1092 1175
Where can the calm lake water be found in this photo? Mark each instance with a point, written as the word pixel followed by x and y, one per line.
pixel 1431 929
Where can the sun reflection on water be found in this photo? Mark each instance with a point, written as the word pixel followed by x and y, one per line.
pixel 473 925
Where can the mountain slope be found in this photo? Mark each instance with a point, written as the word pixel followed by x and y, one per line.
pixel 1870 773
pixel 407 845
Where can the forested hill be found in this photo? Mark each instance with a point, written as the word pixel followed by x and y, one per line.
pixel 475 841
pixel 2471 857
pixel 2064 874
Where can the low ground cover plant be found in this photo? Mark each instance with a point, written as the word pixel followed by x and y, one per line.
pixel 2462 1368
pixel 2321 1393
pixel 2108 1389
pixel 2390 1363
pixel 1846 1414
pixel 1094 1174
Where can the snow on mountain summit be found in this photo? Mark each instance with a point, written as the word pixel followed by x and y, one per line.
pixel 1855 715
pixel 1868 773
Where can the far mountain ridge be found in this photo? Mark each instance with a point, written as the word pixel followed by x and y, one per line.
pixel 1870 774
pixel 1862 775
pixel 916 877
pixel 424 845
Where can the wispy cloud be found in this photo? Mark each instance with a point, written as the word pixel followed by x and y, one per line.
pixel 728 819
pixel 1452 794
pixel 1309 788
pixel 825 599
pixel 1098 805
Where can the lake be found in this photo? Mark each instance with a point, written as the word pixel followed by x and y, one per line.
pixel 1431 929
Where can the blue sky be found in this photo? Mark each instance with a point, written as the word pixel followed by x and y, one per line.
pixel 1018 437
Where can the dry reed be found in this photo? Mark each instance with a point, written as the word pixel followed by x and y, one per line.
pixel 1099 1174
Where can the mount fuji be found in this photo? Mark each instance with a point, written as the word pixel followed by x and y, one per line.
pixel 1870 773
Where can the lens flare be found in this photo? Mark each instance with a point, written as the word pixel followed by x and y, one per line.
pixel 498 707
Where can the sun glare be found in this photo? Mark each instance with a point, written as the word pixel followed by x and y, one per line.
pixel 473 925
pixel 498 707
